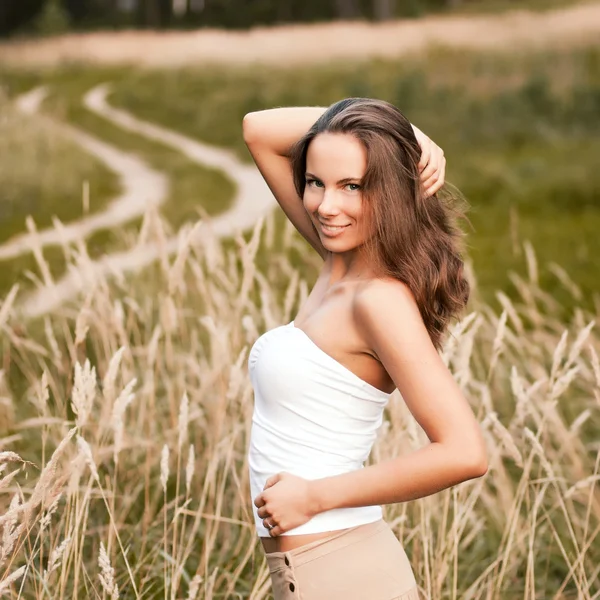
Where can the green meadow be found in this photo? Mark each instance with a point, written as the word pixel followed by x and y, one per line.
pixel 520 133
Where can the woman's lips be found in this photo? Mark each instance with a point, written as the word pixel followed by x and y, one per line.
pixel 331 230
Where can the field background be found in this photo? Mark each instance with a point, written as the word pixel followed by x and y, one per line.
pixel 152 499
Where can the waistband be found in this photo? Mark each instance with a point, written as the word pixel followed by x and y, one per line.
pixel 303 554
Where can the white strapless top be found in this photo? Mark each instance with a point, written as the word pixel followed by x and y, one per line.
pixel 313 417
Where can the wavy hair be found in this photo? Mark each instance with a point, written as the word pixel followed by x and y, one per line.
pixel 415 238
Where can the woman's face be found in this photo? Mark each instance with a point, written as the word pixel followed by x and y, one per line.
pixel 335 165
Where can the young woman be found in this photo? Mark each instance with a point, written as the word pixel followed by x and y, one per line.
pixel 359 182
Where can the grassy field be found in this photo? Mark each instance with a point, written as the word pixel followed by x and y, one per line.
pixel 192 186
pixel 511 129
pixel 138 484
pixel 43 173
pixel 138 465
pixel 520 134
pixel 46 175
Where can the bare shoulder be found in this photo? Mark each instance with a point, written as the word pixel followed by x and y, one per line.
pixel 382 299
pixel 387 316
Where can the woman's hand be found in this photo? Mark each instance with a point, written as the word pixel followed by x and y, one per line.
pixel 432 165
pixel 286 502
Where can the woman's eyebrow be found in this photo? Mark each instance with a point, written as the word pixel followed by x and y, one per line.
pixel 345 180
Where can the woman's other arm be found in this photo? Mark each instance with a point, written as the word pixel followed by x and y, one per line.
pixel 390 320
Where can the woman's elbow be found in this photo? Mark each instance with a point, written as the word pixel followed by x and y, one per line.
pixel 470 459
pixel 248 127
pixel 477 462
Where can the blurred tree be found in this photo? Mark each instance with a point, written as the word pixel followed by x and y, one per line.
pixel 77 9
pixel 285 11
pixel 93 11
pixel 347 9
pixel 53 18
pixel 155 13
pixel 384 9
pixel 16 13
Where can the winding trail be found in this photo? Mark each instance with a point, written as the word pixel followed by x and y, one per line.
pixel 253 199
pixel 141 187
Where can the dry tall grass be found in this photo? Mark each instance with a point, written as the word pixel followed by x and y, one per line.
pixel 134 408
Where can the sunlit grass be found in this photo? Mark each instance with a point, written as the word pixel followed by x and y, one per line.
pixel 152 435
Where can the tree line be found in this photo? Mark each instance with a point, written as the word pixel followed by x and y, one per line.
pixel 82 14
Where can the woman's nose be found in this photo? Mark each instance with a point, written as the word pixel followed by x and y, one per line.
pixel 329 204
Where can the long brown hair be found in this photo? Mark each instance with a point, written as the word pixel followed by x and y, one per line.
pixel 416 239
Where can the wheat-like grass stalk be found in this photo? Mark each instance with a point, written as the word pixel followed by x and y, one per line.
pixel 10 579
pixel 107 574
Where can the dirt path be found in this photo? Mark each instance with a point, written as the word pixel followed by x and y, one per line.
pixel 253 200
pixel 140 184
pixel 288 45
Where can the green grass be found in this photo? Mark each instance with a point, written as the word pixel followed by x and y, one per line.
pixel 520 135
pixel 192 186
pixel 43 173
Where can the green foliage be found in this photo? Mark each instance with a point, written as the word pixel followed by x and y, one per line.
pixel 53 19
pixel 18 13
pixel 42 174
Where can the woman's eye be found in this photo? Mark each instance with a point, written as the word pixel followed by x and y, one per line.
pixel 313 182
pixel 353 187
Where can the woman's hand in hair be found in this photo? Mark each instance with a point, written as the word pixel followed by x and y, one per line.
pixel 432 165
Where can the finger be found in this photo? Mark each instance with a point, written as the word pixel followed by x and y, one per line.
pixel 425 157
pixel 431 168
pixel 275 531
pixel 259 501
pixel 436 181
pixel 431 183
pixel 437 185
pixel 263 512
pixel 272 481
pixel 267 522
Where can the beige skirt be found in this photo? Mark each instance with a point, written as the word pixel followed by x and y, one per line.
pixel 366 562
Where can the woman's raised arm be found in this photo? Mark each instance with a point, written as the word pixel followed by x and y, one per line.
pixel 269 134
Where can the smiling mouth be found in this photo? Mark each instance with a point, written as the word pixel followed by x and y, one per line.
pixel 333 228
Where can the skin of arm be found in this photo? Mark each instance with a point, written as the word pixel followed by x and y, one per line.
pixel 269 135
pixel 279 128
pixel 390 320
